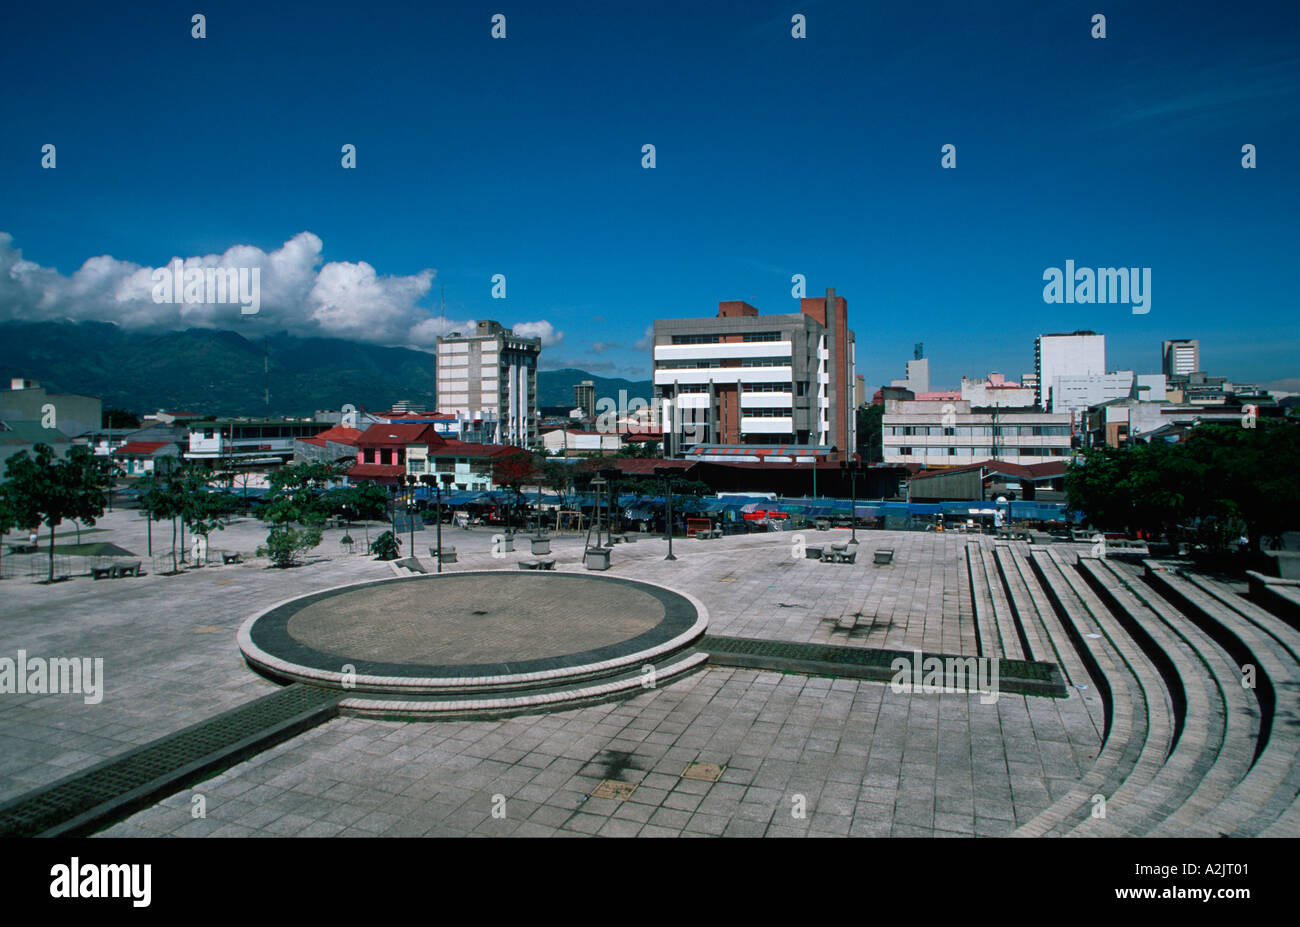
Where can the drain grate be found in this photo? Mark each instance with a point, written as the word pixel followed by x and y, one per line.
pixel 88 800
pixel 1022 677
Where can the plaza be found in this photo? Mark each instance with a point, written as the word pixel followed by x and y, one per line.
pixel 771 730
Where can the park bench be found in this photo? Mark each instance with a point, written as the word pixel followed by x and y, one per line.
pixel 833 553
pixel 848 555
pixel 537 564
pixel 885 556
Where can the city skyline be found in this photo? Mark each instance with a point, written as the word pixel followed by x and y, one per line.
pixel 799 156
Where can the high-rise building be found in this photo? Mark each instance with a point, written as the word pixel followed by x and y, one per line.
pixel 491 374
pixel 584 398
pixel 1075 354
pixel 741 378
pixel 1180 357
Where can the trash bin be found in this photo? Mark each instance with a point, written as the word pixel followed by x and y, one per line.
pixel 598 558
pixel 541 545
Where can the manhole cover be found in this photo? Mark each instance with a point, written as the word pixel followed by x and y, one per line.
pixel 612 788
pixel 705 772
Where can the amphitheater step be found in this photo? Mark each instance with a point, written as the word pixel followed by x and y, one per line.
pixel 486 705
pixel 1125 731
pixel 1137 807
pixel 1267 792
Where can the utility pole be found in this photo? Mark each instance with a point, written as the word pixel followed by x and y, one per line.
pixel 266 375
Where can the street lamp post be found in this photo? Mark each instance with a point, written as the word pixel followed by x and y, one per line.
pixel 597 483
pixel 667 474
pixel 410 519
pixel 851 467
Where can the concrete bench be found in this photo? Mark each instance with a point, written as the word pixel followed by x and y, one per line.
pixel 24 548
pixel 103 572
pixel 448 554
pixel 821 524
pixel 126 569
pixel 227 558
pixel 813 553
pixel 845 556
pixel 537 564
pixel 884 556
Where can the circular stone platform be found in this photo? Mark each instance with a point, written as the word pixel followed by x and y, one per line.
pixel 472 633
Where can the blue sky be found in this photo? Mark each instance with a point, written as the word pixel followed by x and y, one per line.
pixel 775 156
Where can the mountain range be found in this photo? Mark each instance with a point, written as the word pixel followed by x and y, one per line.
pixel 222 372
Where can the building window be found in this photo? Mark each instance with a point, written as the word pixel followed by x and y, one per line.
pixel 762 336
pixel 417 465
pixel 695 339
pixel 368 455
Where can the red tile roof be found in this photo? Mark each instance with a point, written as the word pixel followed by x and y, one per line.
pixel 1040 471
pixel 392 435
pixel 453 448
pixel 140 448
pixel 367 471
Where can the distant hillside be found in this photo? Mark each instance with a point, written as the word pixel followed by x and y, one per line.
pixel 221 372
pixel 555 387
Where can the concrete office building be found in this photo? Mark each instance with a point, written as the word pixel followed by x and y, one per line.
pixel 491 375
pixel 1080 353
pixel 948 434
pixel 72 415
pixel 1180 357
pixel 918 376
pixel 741 379
pixel 584 398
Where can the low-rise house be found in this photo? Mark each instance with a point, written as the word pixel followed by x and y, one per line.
pixel 142 458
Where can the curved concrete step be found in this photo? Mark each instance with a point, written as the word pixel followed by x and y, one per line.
pixel 1022 607
pixel 489 705
pixel 1236 725
pixel 1037 614
pixel 1264 795
pixel 1162 720
pixel 992 610
pixel 1195 746
pixel 1125 733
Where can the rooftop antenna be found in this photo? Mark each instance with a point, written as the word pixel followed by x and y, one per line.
pixel 918 350
pixel 266 375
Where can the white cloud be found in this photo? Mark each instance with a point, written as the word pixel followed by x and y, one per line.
pixel 299 293
pixel 539 329
pixel 646 341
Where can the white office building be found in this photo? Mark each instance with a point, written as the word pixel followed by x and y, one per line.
pixel 491 376
pixel 939 433
pixel 1077 354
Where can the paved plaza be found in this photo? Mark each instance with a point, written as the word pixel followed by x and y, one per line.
pixel 721 750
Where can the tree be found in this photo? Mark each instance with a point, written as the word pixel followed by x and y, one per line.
pixel 120 419
pixel 48 490
pixel 200 509
pixel 296 510
pixel 162 498
pixel 509 470
pixel 1222 480
pixel 871 442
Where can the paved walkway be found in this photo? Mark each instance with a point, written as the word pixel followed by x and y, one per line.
pixel 865 760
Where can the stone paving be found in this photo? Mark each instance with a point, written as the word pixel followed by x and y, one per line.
pixel 865 759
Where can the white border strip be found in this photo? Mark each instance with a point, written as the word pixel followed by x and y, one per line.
pixel 261 658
